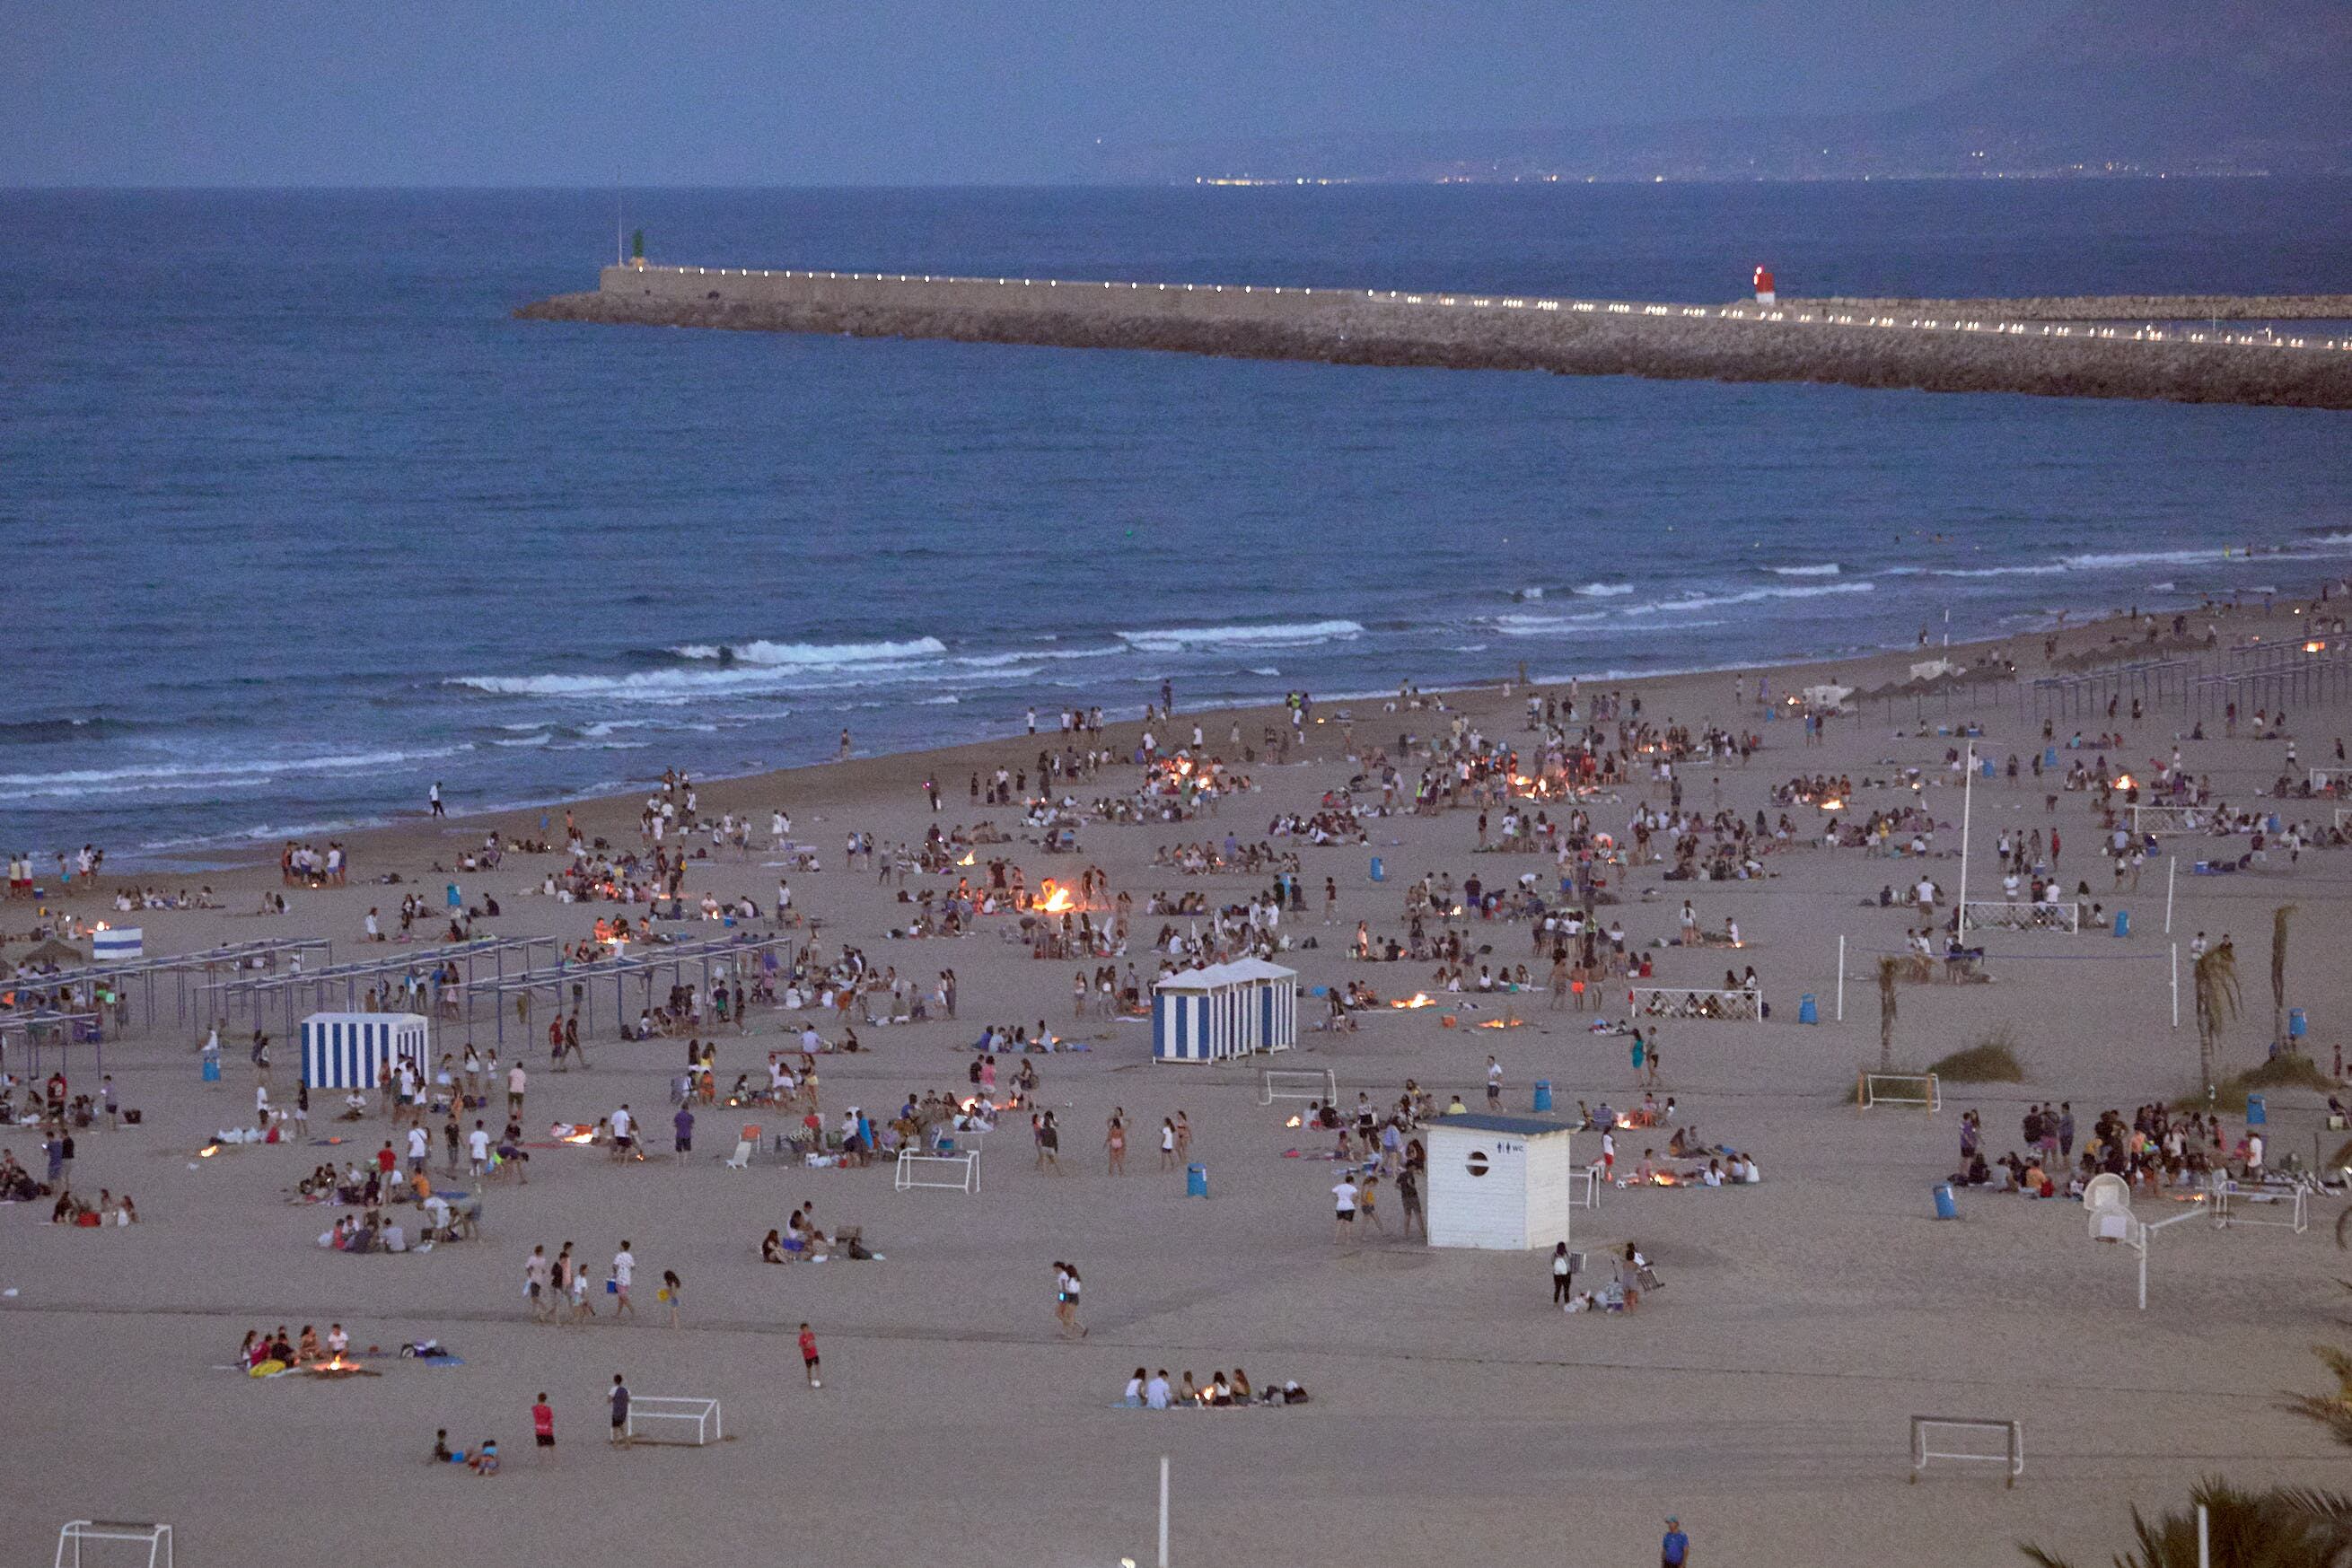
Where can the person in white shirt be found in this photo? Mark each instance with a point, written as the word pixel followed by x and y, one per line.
pixel 420 1148
pixel 1155 1392
pixel 1343 1198
pixel 624 1268
pixel 623 1125
pixel 477 1148
pixel 516 1080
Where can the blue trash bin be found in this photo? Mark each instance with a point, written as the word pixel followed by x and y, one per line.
pixel 2271 824
pixel 1379 872
pixel 1196 1181
pixel 1808 1009
pixel 2049 756
pixel 2258 1110
pixel 1947 1206
pixel 2123 922
pixel 455 901
pixel 212 1070
pixel 1543 1093
pixel 1986 767
pixel 2297 1025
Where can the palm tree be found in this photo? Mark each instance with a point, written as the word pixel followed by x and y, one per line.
pixel 2218 1000
pixel 2330 1412
pixel 2285 1527
pixel 2278 977
pixel 1889 971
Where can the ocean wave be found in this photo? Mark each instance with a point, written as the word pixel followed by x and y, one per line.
pixel 227 774
pixel 1528 594
pixel 1603 590
pixel 1181 639
pixel 950 700
pixel 796 655
pixel 1745 596
pixel 1030 655
pixel 541 738
pixel 1826 569
pixel 33 731
pixel 1264 670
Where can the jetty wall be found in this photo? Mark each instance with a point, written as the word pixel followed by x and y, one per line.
pixel 1975 352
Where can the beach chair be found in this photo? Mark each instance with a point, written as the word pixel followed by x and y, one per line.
pixel 745 1146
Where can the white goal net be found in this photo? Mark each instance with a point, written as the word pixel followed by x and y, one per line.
pixel 667 1420
pixel 1297 1083
pixel 1919 1090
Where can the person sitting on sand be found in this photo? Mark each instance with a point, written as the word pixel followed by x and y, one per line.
pixel 772 1249
pixel 1187 1391
pixel 486 1459
pixel 1240 1385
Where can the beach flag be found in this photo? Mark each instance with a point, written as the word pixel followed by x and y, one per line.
pixel 121 941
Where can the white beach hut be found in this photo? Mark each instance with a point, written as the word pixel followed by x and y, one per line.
pixel 356 1051
pixel 1269 1004
pixel 1500 1183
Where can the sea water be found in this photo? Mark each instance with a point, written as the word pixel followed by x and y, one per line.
pixel 299 521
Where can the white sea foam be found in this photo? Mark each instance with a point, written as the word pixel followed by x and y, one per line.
pixel 1745 596
pixel 1603 590
pixel 1826 569
pixel 1181 639
pixel 804 654
pixel 228 773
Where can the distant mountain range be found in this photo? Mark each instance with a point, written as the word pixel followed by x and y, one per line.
pixel 2120 87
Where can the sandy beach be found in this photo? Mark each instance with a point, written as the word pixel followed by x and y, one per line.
pixel 1762 1395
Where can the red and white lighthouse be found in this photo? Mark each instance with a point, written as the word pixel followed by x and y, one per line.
pixel 1765 293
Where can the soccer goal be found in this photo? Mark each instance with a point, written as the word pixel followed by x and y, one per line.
pixel 692 1423
pixel 1967 1441
pixel 155 1538
pixel 1919 1089
pixel 2165 819
pixel 2237 1205
pixel 948 1173
pixel 1999 914
pixel 1297 1083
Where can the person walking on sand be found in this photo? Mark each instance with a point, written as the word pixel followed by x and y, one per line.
pixel 1343 1200
pixel 1640 1051
pixel 1066 1288
pixel 1674 1552
pixel 1409 1196
pixel 538 1274
pixel 624 1268
pixel 808 1358
pixel 1167 1143
pixel 672 1294
pixel 1115 1145
pixel 620 1404
pixel 432 799
pixel 542 1426
pixel 1366 1201
pixel 1563 1275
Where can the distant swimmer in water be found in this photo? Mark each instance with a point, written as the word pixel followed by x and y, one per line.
pixel 726 655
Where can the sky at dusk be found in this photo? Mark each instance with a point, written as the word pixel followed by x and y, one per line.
pixel 495 92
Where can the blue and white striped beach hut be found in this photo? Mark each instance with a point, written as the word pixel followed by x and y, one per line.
pixel 1230 1010
pixel 1270 1003
pixel 356 1051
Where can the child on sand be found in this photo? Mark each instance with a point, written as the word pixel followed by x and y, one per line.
pixel 543 1425
pixel 486 1460
pixel 809 1357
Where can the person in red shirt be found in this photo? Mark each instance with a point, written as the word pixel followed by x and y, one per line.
pixel 543 1425
pixel 385 1160
pixel 808 1357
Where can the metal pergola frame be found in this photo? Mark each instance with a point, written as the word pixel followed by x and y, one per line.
pixel 568 982
pixel 255 996
pixel 182 966
pixel 44 1025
